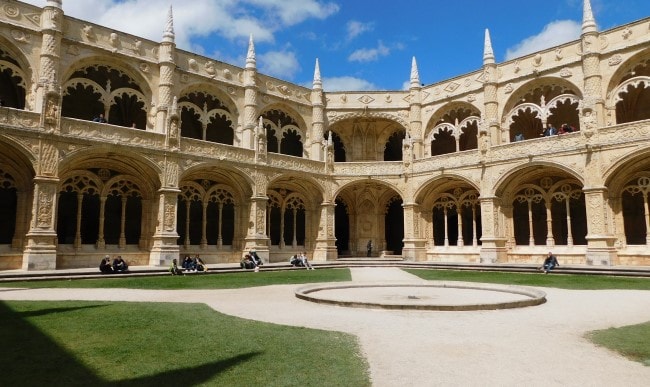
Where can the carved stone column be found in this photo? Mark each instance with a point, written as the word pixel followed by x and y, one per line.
pixel 256 237
pixel 40 252
pixel 600 239
pixel 165 247
pixel 325 248
pixel 493 243
pixel 618 222
pixel 414 245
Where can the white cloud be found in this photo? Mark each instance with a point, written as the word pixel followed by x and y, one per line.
pixel 553 34
pixel 231 19
pixel 369 54
pixel 292 12
pixel 356 28
pixel 280 64
pixel 347 84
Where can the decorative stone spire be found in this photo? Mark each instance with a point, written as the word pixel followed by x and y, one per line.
pixel 250 57
pixel 318 83
pixel 168 34
pixel 488 53
pixel 588 21
pixel 415 75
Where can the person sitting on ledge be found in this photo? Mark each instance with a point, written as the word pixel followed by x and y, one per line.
pixel 200 265
pixel 187 263
pixel 105 265
pixel 173 269
pixel 119 265
pixel 550 263
pixel 100 118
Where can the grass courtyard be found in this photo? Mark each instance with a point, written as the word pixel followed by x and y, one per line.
pixel 118 343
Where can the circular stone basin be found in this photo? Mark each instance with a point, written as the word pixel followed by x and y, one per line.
pixel 430 295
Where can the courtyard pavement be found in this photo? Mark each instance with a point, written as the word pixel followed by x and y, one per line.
pixel 535 346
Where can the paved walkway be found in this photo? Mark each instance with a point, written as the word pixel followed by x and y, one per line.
pixel 535 346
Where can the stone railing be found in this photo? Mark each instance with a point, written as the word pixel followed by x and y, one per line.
pixel 194 147
pixel 20 119
pixel 369 168
pixel 295 163
pixel 89 130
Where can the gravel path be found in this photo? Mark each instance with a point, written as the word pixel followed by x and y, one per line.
pixel 534 346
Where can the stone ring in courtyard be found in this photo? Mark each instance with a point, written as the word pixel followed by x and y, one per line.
pixel 430 295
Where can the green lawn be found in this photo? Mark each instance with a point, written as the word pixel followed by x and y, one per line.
pixel 632 341
pixel 242 279
pixel 153 344
pixel 563 281
pixel 157 344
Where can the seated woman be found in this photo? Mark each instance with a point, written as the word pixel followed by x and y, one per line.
pixel 119 265
pixel 105 265
pixel 200 265
pixel 247 262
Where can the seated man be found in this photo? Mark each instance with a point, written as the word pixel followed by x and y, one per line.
pixel 187 263
pixel 105 265
pixel 550 263
pixel 119 265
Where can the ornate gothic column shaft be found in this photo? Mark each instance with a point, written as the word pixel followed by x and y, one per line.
pixel 40 252
pixel 492 241
pixel 414 245
pixel 550 241
pixel 325 248
pixel 600 240
pixel 257 238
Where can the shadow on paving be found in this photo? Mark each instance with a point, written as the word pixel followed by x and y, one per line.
pixel 30 358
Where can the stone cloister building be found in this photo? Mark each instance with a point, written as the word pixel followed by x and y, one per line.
pixel 203 157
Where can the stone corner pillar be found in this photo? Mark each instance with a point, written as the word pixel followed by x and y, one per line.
pixel 40 250
pixel 256 237
pixel 601 249
pixel 493 243
pixel 165 247
pixel 325 249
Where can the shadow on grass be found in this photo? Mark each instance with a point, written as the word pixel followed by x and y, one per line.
pixel 35 359
pixel 45 312
pixel 188 376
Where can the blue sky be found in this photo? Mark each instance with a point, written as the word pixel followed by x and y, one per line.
pixel 361 44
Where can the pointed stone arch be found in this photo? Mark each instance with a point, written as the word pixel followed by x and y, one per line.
pixel 102 86
pixel 208 114
pixel 286 130
pixel 538 102
pixel 15 78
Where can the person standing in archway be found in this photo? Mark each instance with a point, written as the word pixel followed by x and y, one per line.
pixel 369 248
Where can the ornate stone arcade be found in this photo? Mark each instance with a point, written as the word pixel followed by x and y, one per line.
pixel 203 157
